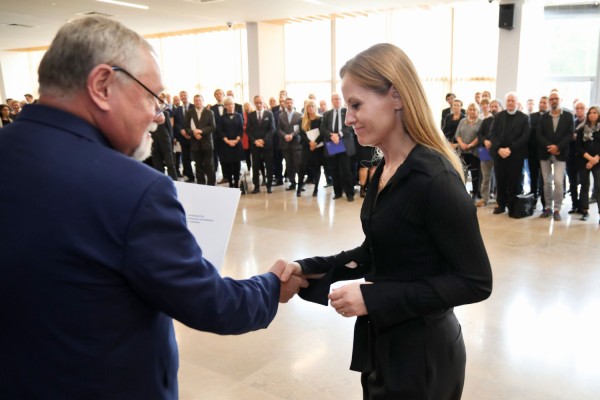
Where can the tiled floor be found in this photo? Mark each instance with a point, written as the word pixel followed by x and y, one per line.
pixel 537 337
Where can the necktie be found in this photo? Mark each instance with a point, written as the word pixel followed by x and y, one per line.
pixel 260 116
pixel 335 121
pixel 289 117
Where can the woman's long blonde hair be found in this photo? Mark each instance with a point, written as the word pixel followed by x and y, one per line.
pixel 384 65
pixel 306 118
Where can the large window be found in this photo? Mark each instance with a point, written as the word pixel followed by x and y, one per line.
pixel 308 60
pixel 571 47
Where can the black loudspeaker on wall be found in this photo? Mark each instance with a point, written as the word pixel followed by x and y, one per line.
pixel 507 12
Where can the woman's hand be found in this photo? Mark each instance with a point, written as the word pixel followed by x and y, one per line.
pixel 348 300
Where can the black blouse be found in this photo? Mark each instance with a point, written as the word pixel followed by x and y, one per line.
pixel 423 248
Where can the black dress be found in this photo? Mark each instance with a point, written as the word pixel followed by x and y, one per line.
pixel 424 253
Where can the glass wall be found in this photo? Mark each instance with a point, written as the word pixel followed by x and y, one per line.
pixel 571 49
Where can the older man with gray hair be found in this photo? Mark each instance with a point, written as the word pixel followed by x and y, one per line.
pixel 96 256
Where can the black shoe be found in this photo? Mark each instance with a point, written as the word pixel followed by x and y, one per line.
pixel 278 183
pixel 269 190
pixel 499 210
pixel 350 198
pixel 315 193
pixel 224 180
pixel 337 196
pixel 298 194
pixel 363 190
pixel 585 216
pixel 291 187
pixel 573 211
pixel 256 190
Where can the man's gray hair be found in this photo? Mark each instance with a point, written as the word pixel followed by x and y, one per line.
pixel 81 45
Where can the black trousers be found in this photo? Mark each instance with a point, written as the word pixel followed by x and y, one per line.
pixel 573 174
pixel 341 174
pixel 205 168
pixel 584 176
pixel 262 158
pixel 186 160
pixel 231 172
pixel 162 155
pixel 431 365
pixel 293 161
pixel 508 179
pixel 472 162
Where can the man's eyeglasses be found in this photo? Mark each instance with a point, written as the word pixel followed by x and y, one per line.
pixel 161 106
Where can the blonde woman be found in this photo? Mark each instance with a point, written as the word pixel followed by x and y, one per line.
pixel 423 253
pixel 312 153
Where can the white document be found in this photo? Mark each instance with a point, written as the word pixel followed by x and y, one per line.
pixel 313 134
pixel 210 212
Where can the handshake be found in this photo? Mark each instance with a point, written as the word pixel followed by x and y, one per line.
pixel 346 300
pixel 291 277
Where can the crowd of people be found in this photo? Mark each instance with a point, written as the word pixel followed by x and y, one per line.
pixel 550 147
pixel 547 153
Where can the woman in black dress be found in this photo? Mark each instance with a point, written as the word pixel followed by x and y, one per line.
pixel 312 150
pixel 423 253
pixel 588 151
pixel 232 150
pixel 452 121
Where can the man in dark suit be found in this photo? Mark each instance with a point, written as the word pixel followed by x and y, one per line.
pixel 554 134
pixel 260 130
pixel 509 137
pixel 162 148
pixel 533 152
pixel 181 135
pixel 200 125
pixel 95 264
pixel 276 109
pixel 289 142
pixel 333 130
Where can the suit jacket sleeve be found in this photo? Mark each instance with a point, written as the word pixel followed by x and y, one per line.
pixel 521 135
pixel 207 120
pixel 250 127
pixel 282 123
pixel 325 127
pixel 164 265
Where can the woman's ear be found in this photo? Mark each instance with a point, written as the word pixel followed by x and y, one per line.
pixel 396 99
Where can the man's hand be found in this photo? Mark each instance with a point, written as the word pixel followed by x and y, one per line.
pixel 487 144
pixel 292 283
pixel 289 137
pixel 348 300
pixel 504 152
pixel 312 145
pixel 552 149
pixel 335 138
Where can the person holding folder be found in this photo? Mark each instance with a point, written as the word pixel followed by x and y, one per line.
pixel 339 145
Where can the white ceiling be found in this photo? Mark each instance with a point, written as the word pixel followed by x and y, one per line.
pixel 46 16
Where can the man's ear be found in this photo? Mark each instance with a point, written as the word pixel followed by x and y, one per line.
pixel 98 86
pixel 396 99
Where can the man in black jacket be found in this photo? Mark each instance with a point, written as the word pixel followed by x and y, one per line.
pixel 510 133
pixel 261 129
pixel 533 157
pixel 554 133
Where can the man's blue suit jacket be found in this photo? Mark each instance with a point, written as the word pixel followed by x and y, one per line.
pixel 95 261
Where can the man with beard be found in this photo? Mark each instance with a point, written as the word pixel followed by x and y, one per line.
pixel 554 133
pixel 572 161
pixel 96 256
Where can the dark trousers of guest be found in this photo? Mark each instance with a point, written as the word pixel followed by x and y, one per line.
pixel 293 162
pixel 341 174
pixel 231 172
pixel 573 175
pixel 508 179
pixel 205 169
pixel 262 159
pixel 248 159
pixel 472 162
pixel 186 161
pixel 162 155
pixel 277 159
pixel 536 185
pixel 177 159
pixel 584 178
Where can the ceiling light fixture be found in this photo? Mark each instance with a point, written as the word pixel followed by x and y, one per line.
pixel 124 4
